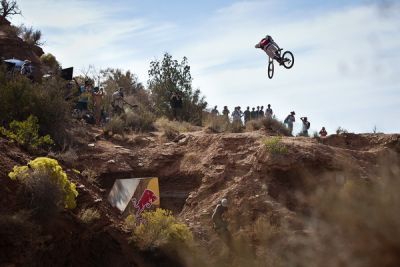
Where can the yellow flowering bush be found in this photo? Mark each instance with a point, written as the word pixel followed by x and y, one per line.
pixel 26 133
pixel 159 228
pixel 53 171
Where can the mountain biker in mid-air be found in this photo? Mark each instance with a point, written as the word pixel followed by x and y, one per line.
pixel 270 47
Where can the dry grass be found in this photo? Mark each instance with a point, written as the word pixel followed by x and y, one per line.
pixel 69 156
pixel 89 215
pixel 139 120
pixel 91 175
pixel 275 126
pixel 216 124
pixel 274 145
pixel 178 126
pixel 115 126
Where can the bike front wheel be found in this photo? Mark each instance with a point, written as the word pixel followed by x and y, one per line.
pixel 270 69
pixel 288 59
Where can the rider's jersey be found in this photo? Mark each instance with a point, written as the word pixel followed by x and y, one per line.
pixel 264 42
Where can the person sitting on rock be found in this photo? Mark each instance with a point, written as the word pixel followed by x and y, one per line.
pixel 323 132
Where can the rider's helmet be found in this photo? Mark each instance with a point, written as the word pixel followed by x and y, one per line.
pixel 224 202
pixel 268 37
pixel 293 113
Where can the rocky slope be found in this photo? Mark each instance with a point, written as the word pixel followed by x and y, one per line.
pixel 196 170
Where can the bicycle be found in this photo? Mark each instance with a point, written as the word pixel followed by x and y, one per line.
pixel 286 59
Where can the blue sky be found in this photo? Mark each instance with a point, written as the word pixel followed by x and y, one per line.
pixel 346 52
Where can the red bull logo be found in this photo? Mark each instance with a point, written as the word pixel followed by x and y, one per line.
pixel 145 201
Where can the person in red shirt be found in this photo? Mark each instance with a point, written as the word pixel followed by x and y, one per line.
pixel 323 132
pixel 269 46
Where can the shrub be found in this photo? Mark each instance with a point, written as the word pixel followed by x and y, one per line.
pixel 315 134
pixel 20 98
pixel 254 125
pixel 69 156
pixel 275 126
pixel 140 120
pixel 114 126
pixel 89 215
pixel 26 133
pixel 341 130
pixel 47 170
pixel 164 123
pixel 275 146
pixel 44 196
pixel 236 127
pixel 91 175
pixel 19 237
pixel 160 228
pixel 217 124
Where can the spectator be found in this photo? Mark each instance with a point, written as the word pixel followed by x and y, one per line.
pixel 305 127
pixel 289 120
pixel 268 111
pixel 261 113
pixel 247 115
pixel 323 132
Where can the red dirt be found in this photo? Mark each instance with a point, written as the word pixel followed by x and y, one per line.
pixel 195 172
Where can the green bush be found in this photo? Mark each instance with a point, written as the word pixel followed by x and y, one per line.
pixel 140 120
pixel 47 170
pixel 26 133
pixel 160 228
pixel 20 98
pixel 274 145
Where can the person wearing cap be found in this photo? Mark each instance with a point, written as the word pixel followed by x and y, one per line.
pixel 246 114
pixel 305 127
pixel 323 132
pixel 268 111
pixel 290 119
pixel 117 101
pixel 217 216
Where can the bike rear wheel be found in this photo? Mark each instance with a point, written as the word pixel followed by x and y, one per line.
pixel 270 69
pixel 288 59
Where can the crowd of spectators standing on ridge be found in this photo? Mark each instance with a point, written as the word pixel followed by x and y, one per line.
pixel 259 113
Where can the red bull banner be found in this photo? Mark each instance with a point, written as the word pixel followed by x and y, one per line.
pixel 135 195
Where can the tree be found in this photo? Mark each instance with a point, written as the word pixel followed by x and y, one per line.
pixel 115 78
pixel 169 76
pixel 49 62
pixel 9 8
pixel 29 35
